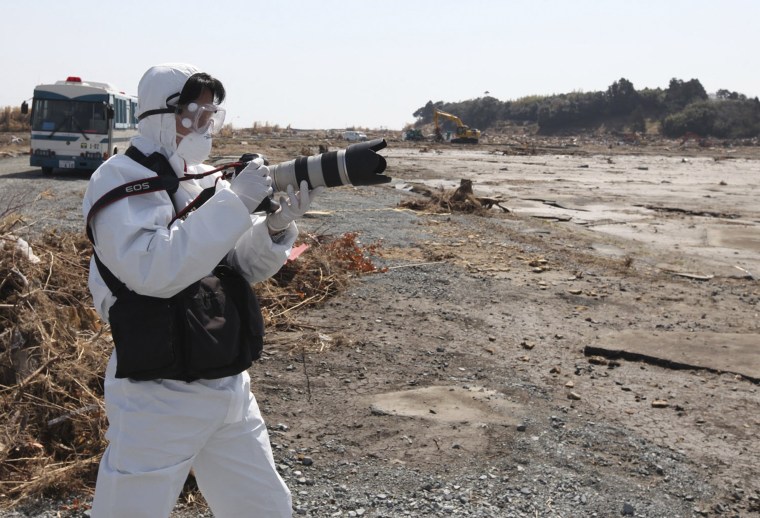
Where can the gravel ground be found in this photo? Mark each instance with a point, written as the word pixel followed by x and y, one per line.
pixel 551 434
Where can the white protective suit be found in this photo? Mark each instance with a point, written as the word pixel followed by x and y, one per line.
pixel 159 429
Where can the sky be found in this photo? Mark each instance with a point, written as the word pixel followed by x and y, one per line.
pixel 336 64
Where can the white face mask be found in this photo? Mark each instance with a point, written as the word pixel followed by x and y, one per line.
pixel 194 148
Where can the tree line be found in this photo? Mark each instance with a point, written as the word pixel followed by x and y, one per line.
pixel 682 108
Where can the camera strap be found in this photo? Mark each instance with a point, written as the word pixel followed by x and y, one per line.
pixel 165 181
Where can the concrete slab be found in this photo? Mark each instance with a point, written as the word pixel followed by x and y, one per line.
pixel 719 352
pixel 449 404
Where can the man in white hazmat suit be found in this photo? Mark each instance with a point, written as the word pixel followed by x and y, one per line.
pixel 160 428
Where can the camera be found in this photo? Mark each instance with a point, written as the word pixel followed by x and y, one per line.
pixel 358 164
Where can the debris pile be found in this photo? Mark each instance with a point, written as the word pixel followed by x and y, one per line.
pixel 315 276
pixel 52 354
pixel 461 199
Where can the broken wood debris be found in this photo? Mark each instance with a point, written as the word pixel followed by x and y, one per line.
pixel 462 199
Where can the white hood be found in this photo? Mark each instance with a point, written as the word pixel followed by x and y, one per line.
pixel 158 83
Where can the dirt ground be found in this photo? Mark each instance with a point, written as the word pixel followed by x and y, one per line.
pixel 587 348
pixel 614 265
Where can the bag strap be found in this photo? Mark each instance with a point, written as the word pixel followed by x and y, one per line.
pixel 156 162
pixel 117 287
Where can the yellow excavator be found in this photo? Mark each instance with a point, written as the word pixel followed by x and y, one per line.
pixel 464 134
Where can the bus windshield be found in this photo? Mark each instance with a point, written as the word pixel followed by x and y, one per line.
pixel 69 116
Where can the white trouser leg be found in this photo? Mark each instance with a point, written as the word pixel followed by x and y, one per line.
pixel 146 494
pixel 156 431
pixel 235 470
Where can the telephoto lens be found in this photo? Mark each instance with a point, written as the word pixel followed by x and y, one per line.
pixel 358 164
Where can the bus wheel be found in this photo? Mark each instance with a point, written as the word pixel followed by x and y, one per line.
pixel 47 170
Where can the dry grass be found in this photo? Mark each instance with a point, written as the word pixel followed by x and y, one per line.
pixel 53 352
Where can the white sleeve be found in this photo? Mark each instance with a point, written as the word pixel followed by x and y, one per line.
pixel 256 256
pixel 132 238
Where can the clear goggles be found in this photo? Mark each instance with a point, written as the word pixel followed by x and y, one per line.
pixel 202 118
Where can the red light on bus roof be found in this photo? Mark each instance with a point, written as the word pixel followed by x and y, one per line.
pixel 73 79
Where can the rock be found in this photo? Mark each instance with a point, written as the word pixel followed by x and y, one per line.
pixel 628 509
pixel 660 403
pixel 574 396
pixel 376 410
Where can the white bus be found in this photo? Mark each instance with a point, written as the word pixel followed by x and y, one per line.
pixel 78 124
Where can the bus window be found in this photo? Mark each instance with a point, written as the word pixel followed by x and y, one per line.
pixel 82 117
pixel 69 116
pixel 48 114
pixel 96 119
pixel 98 122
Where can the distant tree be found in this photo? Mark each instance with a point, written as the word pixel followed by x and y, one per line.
pixel 572 110
pixel 622 97
pixel 483 112
pixel 652 102
pixel 424 115
pixel 727 118
pixel 724 94
pixel 523 109
pixel 681 93
pixel 736 118
pixel 696 118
